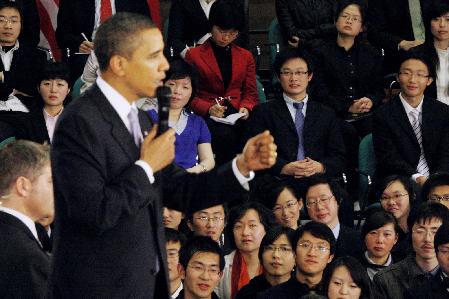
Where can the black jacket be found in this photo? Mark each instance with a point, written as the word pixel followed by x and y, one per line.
pixel 257 285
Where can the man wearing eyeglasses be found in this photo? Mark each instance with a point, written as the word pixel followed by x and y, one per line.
pixel 410 132
pixel 436 188
pixel 400 280
pixel 315 248
pixel 323 199
pixel 202 262
pixel 174 241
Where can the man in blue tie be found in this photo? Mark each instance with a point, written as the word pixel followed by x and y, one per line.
pixel 307 134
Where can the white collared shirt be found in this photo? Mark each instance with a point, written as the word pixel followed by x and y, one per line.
pixel 50 122
pixel 443 76
pixel 97 15
pixel 24 218
pixel 289 101
pixel 7 56
pixel 206 6
pixel 178 290
pixel 336 231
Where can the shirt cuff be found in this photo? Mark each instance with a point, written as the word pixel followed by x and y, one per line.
pixel 147 168
pixel 184 52
pixel 416 175
pixel 242 179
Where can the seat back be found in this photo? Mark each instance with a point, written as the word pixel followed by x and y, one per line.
pixel 367 168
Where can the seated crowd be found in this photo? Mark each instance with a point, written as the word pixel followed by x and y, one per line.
pixel 292 235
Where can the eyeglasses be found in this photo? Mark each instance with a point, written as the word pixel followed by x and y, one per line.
pixel 200 269
pixel 12 21
pixel 441 19
pixel 205 219
pixel 289 206
pixel 424 232
pixel 443 250
pixel 409 74
pixel 357 19
pixel 313 202
pixel 288 73
pixel 228 33
pixel 280 249
pixel 396 197
pixel 307 245
pixel 439 198
pixel 172 253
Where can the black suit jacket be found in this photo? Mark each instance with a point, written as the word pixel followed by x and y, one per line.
pixel 395 144
pixel 24 266
pixel 78 16
pixel 322 136
pixel 108 235
pixel 348 243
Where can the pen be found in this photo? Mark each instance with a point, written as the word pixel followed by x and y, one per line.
pixel 85 37
pixel 218 103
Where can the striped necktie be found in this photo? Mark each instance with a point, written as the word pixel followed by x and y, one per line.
pixel 422 167
pixel 299 124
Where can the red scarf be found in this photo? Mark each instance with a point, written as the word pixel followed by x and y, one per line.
pixel 239 275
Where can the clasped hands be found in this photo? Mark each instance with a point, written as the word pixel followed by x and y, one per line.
pixel 361 105
pixel 302 168
pixel 259 151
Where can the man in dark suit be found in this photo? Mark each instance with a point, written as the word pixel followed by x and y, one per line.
pixel 397 27
pixel 323 200
pixel 308 137
pixel 26 195
pixel 109 238
pixel 410 132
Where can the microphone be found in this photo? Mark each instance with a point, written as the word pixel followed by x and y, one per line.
pixel 163 94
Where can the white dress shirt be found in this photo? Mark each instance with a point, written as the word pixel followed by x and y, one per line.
pixel 50 122
pixel 7 56
pixel 24 218
pixel 289 101
pixel 443 76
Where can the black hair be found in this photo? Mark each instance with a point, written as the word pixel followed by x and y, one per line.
pixel 345 3
pixel 356 270
pixel 179 69
pixel 273 234
pixel 376 219
pixel 227 15
pixel 54 70
pixel 118 35
pixel 174 236
pixel 268 191
pixel 287 54
pixel 199 244
pixel 435 180
pixel 266 217
pixel 415 55
pixel 318 230
pixel 438 9
pixel 427 211
pixel 334 186
pixel 405 181
pixel 442 236
pixel 189 215
pixel 15 5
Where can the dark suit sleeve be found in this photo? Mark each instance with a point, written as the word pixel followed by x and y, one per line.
pixel 375 89
pixel 31 26
pixel 177 25
pixel 67 36
pixel 334 161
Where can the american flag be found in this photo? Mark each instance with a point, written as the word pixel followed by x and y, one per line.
pixel 48 12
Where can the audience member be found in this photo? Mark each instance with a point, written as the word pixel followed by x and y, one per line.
pixel 315 248
pixel 248 224
pixel 380 234
pixel 172 214
pixel 436 47
pixel 304 21
pixel 227 80
pixel 174 241
pixel 26 195
pixel 436 188
pixel 323 199
pixel 346 278
pixel 410 132
pixel 397 197
pixel 307 134
pixel 397 27
pixel 202 262
pixel 396 281
pixel 278 259
pixel 192 135
pixel 20 63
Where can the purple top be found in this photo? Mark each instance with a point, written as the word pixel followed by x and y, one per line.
pixel 194 132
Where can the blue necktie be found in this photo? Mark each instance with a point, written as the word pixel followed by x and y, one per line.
pixel 299 124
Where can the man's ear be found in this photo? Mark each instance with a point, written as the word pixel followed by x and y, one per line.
pixel 190 225
pixel 117 65
pixel 181 271
pixel 429 81
pixel 23 186
pixel 331 257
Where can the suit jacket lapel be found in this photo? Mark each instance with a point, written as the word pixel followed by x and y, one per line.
pixel 210 60
pixel 118 128
pixel 195 9
pixel 402 119
pixel 281 110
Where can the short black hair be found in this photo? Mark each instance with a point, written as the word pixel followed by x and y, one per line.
pixel 427 211
pixel 438 9
pixel 345 3
pixel 227 15
pixel 15 5
pixel 356 270
pixel 442 236
pixel 435 180
pixel 405 181
pixel 318 230
pixel 416 55
pixel 273 234
pixel 266 217
pixel 283 56
pixel 199 244
pixel 376 219
pixel 55 70
pixel 179 69
pixel 118 35
pixel 269 189
pixel 334 186
pixel 174 236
